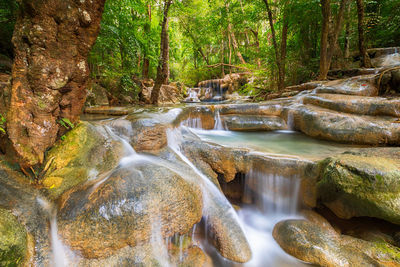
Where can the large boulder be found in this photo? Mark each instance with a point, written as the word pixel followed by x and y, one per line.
pixel 375 106
pixel 84 153
pixel 362 184
pixel 97 95
pixel 169 94
pixel 135 203
pixel 317 243
pixel 14 241
pixel 345 128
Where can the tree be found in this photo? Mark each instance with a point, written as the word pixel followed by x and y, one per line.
pixel 280 53
pixel 365 60
pixel 163 67
pixel 52 39
pixel 329 37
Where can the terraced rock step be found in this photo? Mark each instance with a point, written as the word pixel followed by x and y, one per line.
pixel 345 128
pixel 374 106
pixel 253 123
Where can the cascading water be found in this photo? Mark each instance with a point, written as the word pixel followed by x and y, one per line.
pixel 219 125
pixel 62 255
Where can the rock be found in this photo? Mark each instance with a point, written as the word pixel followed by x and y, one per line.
pixel 374 106
pixel 110 111
pixel 253 123
pixel 135 202
pixel 13 241
pixel 345 128
pixel 365 184
pixel 97 95
pixel 86 152
pixel 360 85
pixel 316 244
pixel 395 83
pixel 169 94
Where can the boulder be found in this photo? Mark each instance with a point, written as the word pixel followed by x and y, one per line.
pixel 135 203
pixel 362 184
pixel 14 241
pixel 97 95
pixel 169 94
pixel 86 152
pixel 345 128
pixel 362 105
pixel 253 123
pixel 318 244
pixel 364 85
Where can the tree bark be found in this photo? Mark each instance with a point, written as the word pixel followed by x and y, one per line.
pixel 257 44
pixel 146 60
pixel 235 44
pixel 326 14
pixel 365 60
pixel 325 62
pixel 280 53
pixel 163 68
pixel 52 39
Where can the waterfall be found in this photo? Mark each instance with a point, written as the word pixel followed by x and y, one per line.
pixel 62 255
pixel 192 122
pixel 273 193
pixel 219 125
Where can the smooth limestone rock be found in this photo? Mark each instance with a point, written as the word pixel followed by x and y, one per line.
pixel 345 128
pixel 13 240
pixel 365 184
pixel 86 152
pixel 359 85
pixel 374 106
pixel 253 123
pixel 135 203
pixel 317 243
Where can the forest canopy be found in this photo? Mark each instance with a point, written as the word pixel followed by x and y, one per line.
pixel 208 39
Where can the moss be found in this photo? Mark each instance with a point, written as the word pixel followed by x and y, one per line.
pixel 13 240
pixel 70 161
pixel 387 251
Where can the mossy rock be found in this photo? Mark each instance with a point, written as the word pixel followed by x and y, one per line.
pixel 366 184
pixel 13 240
pixel 86 152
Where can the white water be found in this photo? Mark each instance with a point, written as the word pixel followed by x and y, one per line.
pixel 219 125
pixel 62 256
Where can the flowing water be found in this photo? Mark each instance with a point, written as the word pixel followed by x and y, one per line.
pixel 267 198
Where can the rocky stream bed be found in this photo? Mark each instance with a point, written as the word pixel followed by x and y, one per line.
pixel 315 176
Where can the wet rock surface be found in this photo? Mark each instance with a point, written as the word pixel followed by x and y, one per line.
pixel 124 209
pixel 13 240
pixel 253 123
pixel 362 184
pixel 346 128
pixel 86 152
pixel 317 243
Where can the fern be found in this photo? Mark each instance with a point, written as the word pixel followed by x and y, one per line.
pixel 66 123
pixel 2 123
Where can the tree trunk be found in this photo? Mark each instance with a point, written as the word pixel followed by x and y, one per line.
pixel 163 68
pixel 257 44
pixel 365 60
pixel 280 54
pixel 52 39
pixel 347 35
pixel 235 44
pixel 335 36
pixel 222 56
pixel 282 71
pixel 326 14
pixel 146 60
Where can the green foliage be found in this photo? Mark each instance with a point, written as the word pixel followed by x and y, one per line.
pixel 66 123
pixel 2 124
